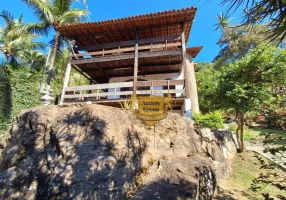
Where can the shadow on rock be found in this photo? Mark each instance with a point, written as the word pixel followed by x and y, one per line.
pixel 100 152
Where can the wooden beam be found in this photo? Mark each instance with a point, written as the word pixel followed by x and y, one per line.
pixel 139 74
pixel 103 59
pixel 66 82
pixel 175 64
pixel 159 53
pixel 129 70
pixel 128 56
pixel 135 64
pixel 119 50
pixel 187 79
pixel 127 43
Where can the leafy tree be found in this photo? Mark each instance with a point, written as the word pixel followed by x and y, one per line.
pixel 247 84
pixel 275 114
pixel 202 66
pixel 257 12
pixel 51 13
pixel 207 83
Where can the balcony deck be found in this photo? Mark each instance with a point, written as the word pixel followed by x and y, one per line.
pixel 115 93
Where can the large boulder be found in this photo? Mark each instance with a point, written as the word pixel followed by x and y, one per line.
pixel 101 152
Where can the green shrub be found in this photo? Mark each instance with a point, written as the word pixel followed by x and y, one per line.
pixel 210 120
pixel 17 92
pixel 248 135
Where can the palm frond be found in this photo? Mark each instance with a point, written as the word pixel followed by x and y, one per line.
pixel 73 16
pixel 34 59
pixel 62 6
pixel 43 9
pixel 20 19
pixel 37 28
pixel 223 21
pixel 235 4
pixel 259 11
pixel 7 17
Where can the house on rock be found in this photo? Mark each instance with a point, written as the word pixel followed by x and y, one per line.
pixel 142 55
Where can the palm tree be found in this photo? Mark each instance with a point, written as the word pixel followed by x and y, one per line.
pixel 257 12
pixel 51 13
pixel 34 59
pixel 15 40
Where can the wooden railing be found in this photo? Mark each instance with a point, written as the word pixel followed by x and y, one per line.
pixel 152 47
pixel 102 91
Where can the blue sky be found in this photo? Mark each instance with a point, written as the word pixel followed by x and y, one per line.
pixel 202 32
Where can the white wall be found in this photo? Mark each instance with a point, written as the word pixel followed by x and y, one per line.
pixel 170 76
pixel 186 110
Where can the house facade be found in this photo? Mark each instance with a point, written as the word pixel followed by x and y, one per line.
pixel 140 55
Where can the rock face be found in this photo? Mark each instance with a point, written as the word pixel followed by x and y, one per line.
pixel 100 152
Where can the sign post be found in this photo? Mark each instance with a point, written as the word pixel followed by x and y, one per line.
pixel 152 109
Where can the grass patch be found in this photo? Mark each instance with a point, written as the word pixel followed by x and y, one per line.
pixel 246 169
pixel 249 134
pixel 277 137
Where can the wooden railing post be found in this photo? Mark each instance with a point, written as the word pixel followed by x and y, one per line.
pixel 97 92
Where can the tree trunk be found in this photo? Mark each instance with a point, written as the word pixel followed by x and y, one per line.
pixel 237 137
pixel 53 59
pixel 47 97
pixel 237 130
pixel 6 59
pixel 241 132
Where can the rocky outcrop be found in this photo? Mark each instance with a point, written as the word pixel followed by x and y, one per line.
pixel 99 152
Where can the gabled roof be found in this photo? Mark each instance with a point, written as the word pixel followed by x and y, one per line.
pixel 153 25
pixel 111 38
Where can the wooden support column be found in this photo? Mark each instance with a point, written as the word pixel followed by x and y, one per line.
pixel 184 64
pixel 193 87
pixel 135 64
pixel 66 81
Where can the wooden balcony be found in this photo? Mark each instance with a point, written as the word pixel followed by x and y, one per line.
pixel 112 93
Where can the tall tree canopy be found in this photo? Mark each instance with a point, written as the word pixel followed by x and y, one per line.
pixel 51 13
pixel 16 41
pixel 257 11
pixel 236 42
pixel 247 84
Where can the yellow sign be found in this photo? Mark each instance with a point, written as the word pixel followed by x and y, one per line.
pixel 152 109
